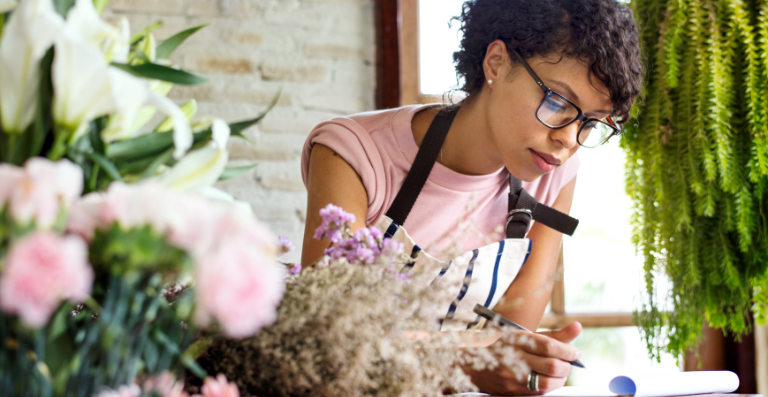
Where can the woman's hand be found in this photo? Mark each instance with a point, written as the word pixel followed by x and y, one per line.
pixel 549 354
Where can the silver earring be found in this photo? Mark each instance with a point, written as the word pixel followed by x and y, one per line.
pixel 490 81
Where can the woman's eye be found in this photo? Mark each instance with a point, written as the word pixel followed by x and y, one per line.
pixel 554 106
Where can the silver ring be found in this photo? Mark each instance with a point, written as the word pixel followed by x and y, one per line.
pixel 533 381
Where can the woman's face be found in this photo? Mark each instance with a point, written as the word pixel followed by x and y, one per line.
pixel 528 148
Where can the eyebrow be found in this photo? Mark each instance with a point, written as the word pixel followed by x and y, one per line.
pixel 572 95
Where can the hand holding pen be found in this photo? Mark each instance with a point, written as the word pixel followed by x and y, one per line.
pixel 549 356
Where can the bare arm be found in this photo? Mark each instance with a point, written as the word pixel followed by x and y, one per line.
pixel 527 296
pixel 331 180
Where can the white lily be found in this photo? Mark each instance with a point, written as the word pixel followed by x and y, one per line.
pixel 118 127
pixel 86 87
pixel 8 5
pixel 113 42
pixel 201 168
pixel 27 36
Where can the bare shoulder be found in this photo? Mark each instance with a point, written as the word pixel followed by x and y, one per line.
pixel 331 180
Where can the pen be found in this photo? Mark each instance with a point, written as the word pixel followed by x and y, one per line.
pixel 492 315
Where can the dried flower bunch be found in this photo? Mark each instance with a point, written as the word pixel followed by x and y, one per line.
pixel 353 325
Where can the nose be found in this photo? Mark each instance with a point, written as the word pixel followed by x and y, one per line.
pixel 566 136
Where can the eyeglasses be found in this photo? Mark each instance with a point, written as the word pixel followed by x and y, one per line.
pixel 556 111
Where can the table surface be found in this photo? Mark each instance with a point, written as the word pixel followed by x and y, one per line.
pixel 691 395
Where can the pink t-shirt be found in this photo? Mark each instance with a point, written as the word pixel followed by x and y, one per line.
pixel 380 147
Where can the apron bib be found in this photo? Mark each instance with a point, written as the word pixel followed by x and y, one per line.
pixel 489 270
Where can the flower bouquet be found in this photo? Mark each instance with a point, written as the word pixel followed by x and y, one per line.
pixel 105 291
pixel 355 325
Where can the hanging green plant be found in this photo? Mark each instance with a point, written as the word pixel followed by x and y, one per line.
pixel 697 168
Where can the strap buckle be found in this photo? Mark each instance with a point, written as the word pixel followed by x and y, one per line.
pixel 525 211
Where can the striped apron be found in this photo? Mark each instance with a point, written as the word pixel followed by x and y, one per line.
pixel 487 271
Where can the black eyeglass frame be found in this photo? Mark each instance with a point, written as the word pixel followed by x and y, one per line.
pixel 584 119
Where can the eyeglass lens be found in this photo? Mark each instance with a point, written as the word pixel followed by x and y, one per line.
pixel 595 133
pixel 555 112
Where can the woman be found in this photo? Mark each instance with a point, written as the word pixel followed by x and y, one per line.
pixel 542 78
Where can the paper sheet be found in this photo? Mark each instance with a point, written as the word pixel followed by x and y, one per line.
pixel 682 383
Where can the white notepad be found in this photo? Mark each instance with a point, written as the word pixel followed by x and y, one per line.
pixel 661 385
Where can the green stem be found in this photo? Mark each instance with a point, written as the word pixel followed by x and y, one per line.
pixel 93 305
pixel 11 148
pixel 61 134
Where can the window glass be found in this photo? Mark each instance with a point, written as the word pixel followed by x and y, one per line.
pixel 437 43
pixel 609 352
pixel 603 273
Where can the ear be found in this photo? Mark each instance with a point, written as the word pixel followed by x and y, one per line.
pixel 496 59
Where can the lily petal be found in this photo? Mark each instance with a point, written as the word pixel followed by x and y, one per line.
pixel 182 133
pixel 29 34
pixel 197 170
pixel 81 82
pixel 220 133
pixel 86 22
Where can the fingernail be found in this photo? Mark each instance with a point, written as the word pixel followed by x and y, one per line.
pixel 578 355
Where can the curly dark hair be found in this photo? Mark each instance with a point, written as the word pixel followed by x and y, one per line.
pixel 600 33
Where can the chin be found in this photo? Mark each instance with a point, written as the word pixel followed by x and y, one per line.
pixel 526 175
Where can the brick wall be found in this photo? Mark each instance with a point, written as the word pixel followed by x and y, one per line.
pixel 319 52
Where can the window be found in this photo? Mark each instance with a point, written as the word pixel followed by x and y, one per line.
pixel 603 275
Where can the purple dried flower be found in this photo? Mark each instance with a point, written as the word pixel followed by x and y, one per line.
pixel 335 222
pixel 296 269
pixel 285 244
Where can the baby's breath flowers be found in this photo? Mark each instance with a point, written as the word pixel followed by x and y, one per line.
pixel 353 325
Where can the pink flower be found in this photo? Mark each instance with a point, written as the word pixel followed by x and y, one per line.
pixel 10 175
pixel 41 270
pixel 45 189
pixel 122 391
pixel 219 387
pixel 240 286
pixel 165 385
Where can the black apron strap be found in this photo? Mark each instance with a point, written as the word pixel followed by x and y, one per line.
pixel 523 208
pixel 422 165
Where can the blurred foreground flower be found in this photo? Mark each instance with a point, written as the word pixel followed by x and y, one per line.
pixel 237 279
pixel 239 287
pixel 42 270
pixel 201 168
pixel 40 192
pixel 27 36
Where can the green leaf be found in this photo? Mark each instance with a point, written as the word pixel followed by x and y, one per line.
pixel 237 128
pixel 231 172
pixel 63 6
pixel 168 46
pixel 105 163
pixel 159 72
pixel 138 36
pixel 151 169
pixel 140 146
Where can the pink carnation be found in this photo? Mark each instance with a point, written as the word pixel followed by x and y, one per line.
pixel 41 270
pixel 122 391
pixel 10 176
pixel 45 189
pixel 238 285
pixel 219 387
pixel 165 385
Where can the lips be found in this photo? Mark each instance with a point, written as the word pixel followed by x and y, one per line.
pixel 545 162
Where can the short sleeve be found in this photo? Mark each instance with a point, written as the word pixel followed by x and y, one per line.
pixel 355 145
